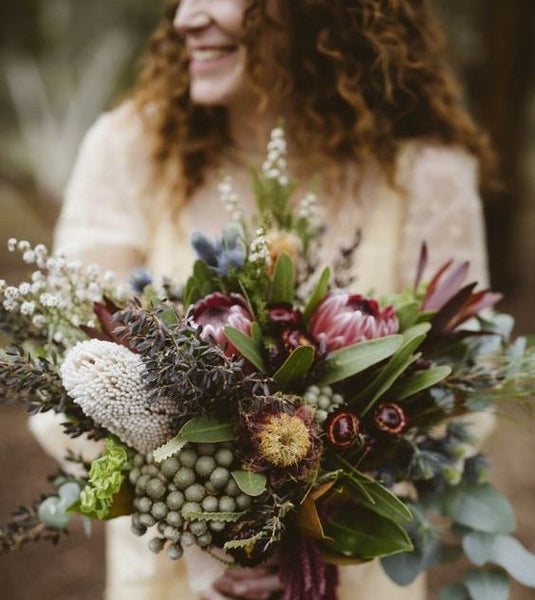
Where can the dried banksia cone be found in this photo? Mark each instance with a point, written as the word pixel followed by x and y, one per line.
pixel 105 380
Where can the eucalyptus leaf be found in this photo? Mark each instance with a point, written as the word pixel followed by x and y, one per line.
pixel 207 430
pixel 292 374
pixel 487 585
pixel 250 483
pixel 504 551
pixel 346 362
pixel 246 346
pixel 321 289
pixel 283 280
pixel 455 591
pixel 405 567
pixel 480 507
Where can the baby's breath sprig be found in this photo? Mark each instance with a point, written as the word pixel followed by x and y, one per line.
pixel 57 299
pixel 229 198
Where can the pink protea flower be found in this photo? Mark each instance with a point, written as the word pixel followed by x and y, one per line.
pixel 214 312
pixel 343 319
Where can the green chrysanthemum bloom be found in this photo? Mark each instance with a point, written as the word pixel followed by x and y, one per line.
pixel 106 477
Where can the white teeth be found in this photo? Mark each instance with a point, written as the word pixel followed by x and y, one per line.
pixel 206 54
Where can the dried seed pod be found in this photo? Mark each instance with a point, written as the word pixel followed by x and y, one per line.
pixel 342 428
pixel 390 418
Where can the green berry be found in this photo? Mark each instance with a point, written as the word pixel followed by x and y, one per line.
pixel 188 458
pixel 143 504
pixel 338 400
pixel 324 402
pixel 174 551
pixel 327 390
pixel 159 510
pixel 138 530
pixel 155 489
pixel 152 470
pixel 156 545
pixel 162 525
pixel 321 416
pixel 243 501
pixel 174 519
pixel 170 466
pixel 191 507
pixel 206 449
pixel 135 519
pixel 204 540
pixel 232 488
pixel 141 483
pixel 204 466
pixel 187 539
pixel 210 504
pixel 198 528
pixel 149 458
pixel 227 504
pixel 314 390
pixel 210 488
pixel 219 477
pixel 224 457
pixel 171 533
pixel 184 478
pixel 139 460
pixel 175 500
pixel 195 493
pixel 217 526
pixel 147 520
pixel 134 475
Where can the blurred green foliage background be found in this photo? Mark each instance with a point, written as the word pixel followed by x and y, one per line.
pixel 62 62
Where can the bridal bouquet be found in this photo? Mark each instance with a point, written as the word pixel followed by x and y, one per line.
pixel 264 409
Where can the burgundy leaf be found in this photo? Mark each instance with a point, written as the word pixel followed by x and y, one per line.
pixel 422 264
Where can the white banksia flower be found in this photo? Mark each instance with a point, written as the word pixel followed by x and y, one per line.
pixel 105 380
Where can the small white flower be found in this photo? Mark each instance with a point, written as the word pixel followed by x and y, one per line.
pixel 11 292
pixel 93 270
pixel 29 257
pixel 2 284
pixel 24 288
pixel 38 320
pixel 27 308
pixel 9 304
pixel 49 300
pixel 37 286
pixel 12 244
pixel 50 263
pixel 109 277
pixel 37 276
pixel 58 337
pixel 23 245
pixel 74 266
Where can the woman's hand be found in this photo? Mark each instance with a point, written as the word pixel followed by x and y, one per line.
pixel 250 584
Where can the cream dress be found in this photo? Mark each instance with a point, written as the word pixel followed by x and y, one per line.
pixel 111 216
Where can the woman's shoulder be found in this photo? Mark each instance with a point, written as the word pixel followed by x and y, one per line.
pixel 432 163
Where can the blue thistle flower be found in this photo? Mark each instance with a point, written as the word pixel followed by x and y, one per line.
pixel 222 255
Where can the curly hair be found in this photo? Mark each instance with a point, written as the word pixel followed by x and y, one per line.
pixel 360 77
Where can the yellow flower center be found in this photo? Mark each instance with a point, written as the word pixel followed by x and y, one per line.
pixel 284 440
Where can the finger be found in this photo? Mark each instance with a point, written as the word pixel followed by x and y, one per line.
pixel 250 587
pixel 213 594
pixel 237 573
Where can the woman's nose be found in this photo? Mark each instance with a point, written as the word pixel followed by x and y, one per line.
pixel 192 14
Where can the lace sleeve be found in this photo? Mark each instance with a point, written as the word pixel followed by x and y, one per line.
pixel 102 220
pixel 443 209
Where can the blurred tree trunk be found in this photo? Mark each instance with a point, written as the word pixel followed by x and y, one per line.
pixel 500 92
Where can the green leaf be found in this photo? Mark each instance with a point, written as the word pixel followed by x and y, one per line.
pixel 480 507
pixel 292 374
pixel 250 483
pixel 407 314
pixel 504 551
pixel 246 347
pixel 207 430
pixel 395 367
pixel 173 446
pixel 346 362
pixel 455 591
pixel 404 568
pixel 321 289
pixel 283 287
pixel 360 533
pixel 419 381
pixel 380 500
pixel 487 585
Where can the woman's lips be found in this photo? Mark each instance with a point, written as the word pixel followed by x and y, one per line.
pixel 208 58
